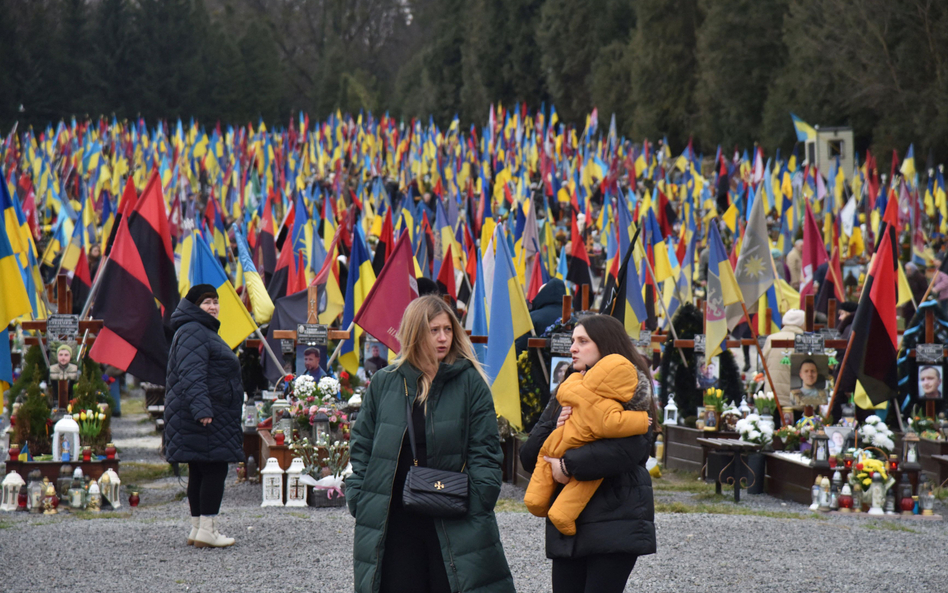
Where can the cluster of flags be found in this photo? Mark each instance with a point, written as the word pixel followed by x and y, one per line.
pixel 360 207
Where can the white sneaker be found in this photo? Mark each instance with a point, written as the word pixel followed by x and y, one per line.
pixel 195 525
pixel 208 536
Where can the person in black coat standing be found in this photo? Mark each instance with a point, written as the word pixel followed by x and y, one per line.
pixel 618 523
pixel 203 400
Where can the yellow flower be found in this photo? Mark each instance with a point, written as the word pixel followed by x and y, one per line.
pixel 69 408
pixel 82 415
pixel 867 482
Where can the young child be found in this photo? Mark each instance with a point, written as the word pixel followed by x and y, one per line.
pixel 599 399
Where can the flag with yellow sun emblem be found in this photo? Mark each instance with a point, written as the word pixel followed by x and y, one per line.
pixel 755 269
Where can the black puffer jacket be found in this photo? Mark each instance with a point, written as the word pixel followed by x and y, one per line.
pixel 620 516
pixel 203 382
pixel 547 307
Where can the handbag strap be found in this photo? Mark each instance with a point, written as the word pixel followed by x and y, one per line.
pixel 411 427
pixel 411 424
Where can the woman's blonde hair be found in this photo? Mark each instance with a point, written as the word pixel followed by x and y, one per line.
pixel 414 336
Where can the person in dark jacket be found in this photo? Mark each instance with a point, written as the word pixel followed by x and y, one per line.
pixel 546 308
pixel 203 399
pixel 617 524
pixel 455 429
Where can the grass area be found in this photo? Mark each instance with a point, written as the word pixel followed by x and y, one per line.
pixel 88 515
pixel 298 515
pixel 673 481
pixel 727 509
pixel 510 505
pixel 137 473
pixel 5 525
pixel 135 405
pixel 889 526
pixel 941 493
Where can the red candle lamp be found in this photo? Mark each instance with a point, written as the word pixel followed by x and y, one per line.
pixel 87 454
pixel 14 451
pixel 848 461
pixel 279 437
pixel 133 500
pixel 832 462
pixel 110 451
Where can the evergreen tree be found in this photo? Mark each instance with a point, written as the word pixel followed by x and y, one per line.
pixel 112 68
pixel 663 69
pixel 740 51
pixel 73 51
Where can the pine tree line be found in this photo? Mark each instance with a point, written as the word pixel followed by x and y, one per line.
pixel 723 71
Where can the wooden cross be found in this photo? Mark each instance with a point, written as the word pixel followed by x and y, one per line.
pixel 86 327
pixel 929 339
pixel 312 316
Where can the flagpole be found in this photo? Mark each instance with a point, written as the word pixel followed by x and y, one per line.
pixel 95 287
pixel 266 346
pixel 763 360
pixel 335 352
pixel 661 301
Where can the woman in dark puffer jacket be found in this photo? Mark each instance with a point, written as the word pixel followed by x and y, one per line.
pixel 203 399
pixel 617 524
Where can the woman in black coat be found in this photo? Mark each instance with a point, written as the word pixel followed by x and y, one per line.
pixel 617 525
pixel 203 400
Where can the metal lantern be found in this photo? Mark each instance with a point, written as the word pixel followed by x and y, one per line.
pixel 280 414
pixel 66 439
pixel 110 485
pixel 295 490
pixel 744 409
pixel 321 430
pixel 35 489
pixel 820 444
pixel 272 484
pixel 910 451
pixel 876 495
pixel 10 488
pixel 671 412
pixel 64 480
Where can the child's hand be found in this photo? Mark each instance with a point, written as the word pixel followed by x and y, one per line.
pixel 565 413
pixel 557 468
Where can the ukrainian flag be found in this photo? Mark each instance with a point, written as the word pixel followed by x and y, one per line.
pixel 509 319
pixel 805 131
pixel 360 281
pixel 723 290
pixel 14 301
pixel 259 299
pixel 236 323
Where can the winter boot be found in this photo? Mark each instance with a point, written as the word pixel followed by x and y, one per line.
pixel 195 525
pixel 209 537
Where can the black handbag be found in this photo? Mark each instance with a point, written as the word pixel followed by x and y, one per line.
pixel 432 492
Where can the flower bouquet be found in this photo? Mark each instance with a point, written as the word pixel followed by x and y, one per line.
pixel 753 430
pixel 90 423
pixel 925 427
pixel 765 403
pixel 790 437
pixel 873 432
pixel 328 388
pixel 862 473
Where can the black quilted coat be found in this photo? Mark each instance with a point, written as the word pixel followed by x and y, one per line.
pixel 203 382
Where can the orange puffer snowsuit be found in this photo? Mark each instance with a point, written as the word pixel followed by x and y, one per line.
pixel 597 400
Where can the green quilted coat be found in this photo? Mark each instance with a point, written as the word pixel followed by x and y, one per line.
pixel 460 427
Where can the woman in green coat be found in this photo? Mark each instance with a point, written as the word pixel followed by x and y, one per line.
pixel 456 430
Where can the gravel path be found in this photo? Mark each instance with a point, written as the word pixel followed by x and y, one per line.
pixel 310 549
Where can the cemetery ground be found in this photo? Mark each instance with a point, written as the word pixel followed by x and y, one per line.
pixel 705 541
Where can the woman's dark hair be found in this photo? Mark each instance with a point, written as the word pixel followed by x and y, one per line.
pixel 609 335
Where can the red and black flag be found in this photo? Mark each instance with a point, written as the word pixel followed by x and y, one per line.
pixel 125 206
pixel 276 287
pixel 266 242
pixel 578 272
pixel 869 369
pixel 446 276
pixel 149 230
pixel 386 242
pixel 132 337
pixel 81 282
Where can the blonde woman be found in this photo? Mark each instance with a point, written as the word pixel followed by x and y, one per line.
pixel 455 429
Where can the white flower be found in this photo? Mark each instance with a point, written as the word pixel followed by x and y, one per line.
pixel 868 431
pixel 328 387
pixel 753 418
pixel 753 435
pixel 873 419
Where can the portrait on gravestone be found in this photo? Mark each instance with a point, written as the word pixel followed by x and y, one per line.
pixel 837 438
pixel 63 370
pixel 375 356
pixel 708 373
pixel 930 381
pixel 808 373
pixel 311 360
pixel 558 368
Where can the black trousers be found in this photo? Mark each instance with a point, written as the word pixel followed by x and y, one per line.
pixel 412 561
pixel 206 486
pixel 602 573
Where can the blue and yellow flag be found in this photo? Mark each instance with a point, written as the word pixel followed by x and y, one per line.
pixel 236 323
pixel 722 291
pixel 359 283
pixel 509 319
